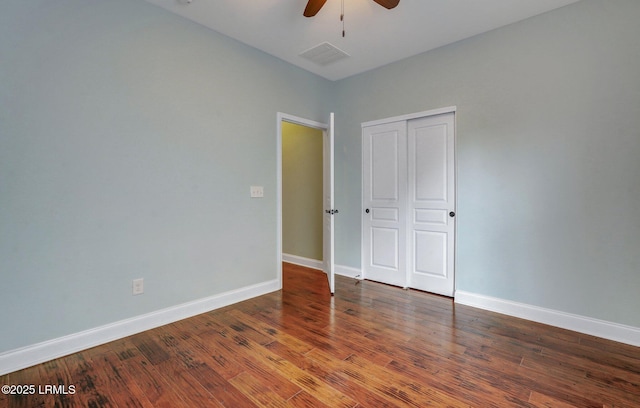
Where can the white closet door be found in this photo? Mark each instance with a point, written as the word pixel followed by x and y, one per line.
pixel 385 204
pixel 431 203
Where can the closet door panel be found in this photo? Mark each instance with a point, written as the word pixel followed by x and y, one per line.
pixel 429 154
pixel 431 203
pixel 384 203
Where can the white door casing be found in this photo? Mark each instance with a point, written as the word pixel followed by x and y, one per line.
pixel 408 219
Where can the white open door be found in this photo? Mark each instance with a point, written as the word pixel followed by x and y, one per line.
pixel 329 209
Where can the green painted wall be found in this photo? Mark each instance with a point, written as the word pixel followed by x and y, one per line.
pixel 302 191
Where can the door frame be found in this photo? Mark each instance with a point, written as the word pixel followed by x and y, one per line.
pixel 408 117
pixel 285 117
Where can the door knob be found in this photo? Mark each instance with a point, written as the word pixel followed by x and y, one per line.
pixel 452 214
pixel 367 211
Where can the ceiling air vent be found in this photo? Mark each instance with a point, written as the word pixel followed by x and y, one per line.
pixel 324 54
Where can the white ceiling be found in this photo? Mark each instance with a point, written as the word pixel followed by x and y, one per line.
pixel 374 37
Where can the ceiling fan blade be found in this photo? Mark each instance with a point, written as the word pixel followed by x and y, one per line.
pixel 387 3
pixel 313 6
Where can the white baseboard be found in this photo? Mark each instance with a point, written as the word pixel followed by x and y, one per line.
pixel 587 325
pixel 299 260
pixel 24 357
pixel 347 271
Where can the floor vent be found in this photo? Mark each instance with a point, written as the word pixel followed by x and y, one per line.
pixel 324 54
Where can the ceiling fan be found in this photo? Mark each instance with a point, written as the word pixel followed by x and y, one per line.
pixel 313 6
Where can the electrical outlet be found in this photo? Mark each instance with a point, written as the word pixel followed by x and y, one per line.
pixel 257 191
pixel 138 286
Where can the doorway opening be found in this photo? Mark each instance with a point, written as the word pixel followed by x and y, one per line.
pixel 302 195
pixel 303 220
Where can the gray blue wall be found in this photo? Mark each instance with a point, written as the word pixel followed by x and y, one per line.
pixel 129 138
pixel 548 155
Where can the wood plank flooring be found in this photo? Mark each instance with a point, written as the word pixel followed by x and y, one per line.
pixel 370 345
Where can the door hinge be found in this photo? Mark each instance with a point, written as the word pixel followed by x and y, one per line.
pixel 332 211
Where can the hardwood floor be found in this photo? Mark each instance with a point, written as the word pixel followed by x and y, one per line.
pixel 370 345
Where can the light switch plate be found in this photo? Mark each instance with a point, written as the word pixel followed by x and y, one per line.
pixel 257 191
pixel 138 286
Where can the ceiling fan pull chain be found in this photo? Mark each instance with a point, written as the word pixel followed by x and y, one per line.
pixel 342 18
